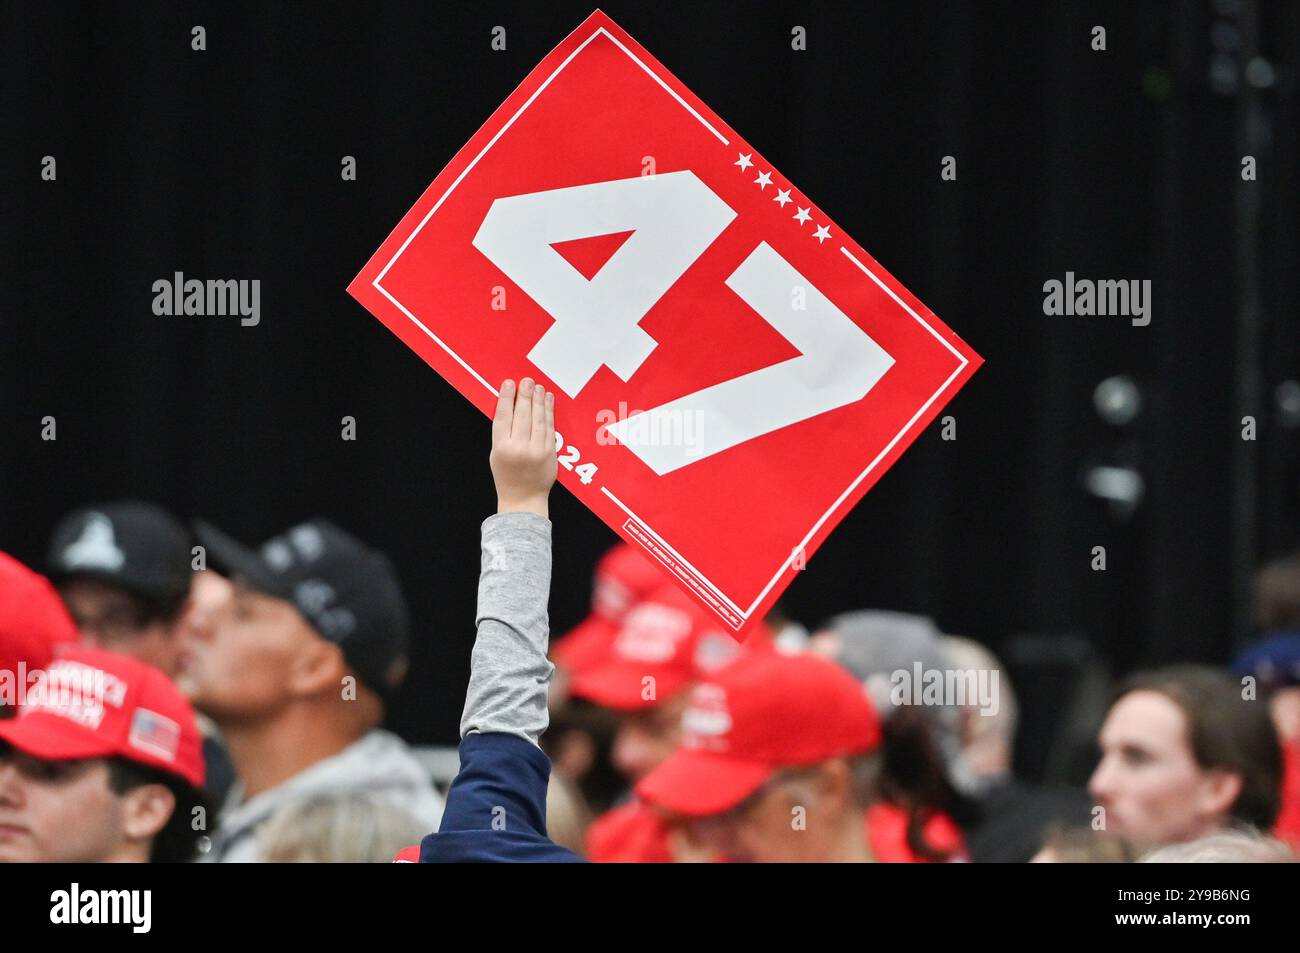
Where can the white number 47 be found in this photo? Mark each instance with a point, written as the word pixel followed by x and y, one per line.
pixel 675 217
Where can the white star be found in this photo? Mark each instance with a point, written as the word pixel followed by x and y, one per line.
pixel 744 161
pixel 802 215
pixel 822 234
pixel 782 196
pixel 764 180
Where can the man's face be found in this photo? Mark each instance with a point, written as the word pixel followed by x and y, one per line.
pixel 57 810
pixel 1148 781
pixel 239 652
pixel 111 618
pixel 210 594
pixel 645 738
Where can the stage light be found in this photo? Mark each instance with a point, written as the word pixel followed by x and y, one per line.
pixel 1118 400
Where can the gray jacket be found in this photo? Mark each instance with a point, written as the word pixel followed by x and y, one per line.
pixel 378 765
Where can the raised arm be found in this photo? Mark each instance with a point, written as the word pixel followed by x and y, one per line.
pixel 509 671
pixel 496 808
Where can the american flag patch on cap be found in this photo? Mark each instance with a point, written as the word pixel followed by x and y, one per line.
pixel 155 733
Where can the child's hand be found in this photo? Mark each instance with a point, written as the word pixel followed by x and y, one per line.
pixel 523 448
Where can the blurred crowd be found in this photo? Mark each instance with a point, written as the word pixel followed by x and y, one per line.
pixel 168 693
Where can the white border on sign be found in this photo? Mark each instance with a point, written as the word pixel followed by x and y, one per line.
pixel 744 614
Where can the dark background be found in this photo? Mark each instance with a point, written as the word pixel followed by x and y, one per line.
pixel 1119 164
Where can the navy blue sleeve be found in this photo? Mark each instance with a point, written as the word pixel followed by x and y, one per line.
pixel 496 808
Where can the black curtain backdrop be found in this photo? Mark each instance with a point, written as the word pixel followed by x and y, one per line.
pixel 226 164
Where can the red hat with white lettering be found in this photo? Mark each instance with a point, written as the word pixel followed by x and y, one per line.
pixel 33 620
pixel 664 644
pixel 94 704
pixel 763 712
pixel 624 577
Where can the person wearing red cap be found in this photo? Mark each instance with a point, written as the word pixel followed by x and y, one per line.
pixel 779 762
pixel 580 734
pixel 33 623
pixel 664 644
pixel 103 763
pixel 124 572
pixel 624 578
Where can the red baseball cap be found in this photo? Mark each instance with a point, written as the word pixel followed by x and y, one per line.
pixel 667 638
pixel 624 577
pixel 96 704
pixel 763 712
pixel 33 619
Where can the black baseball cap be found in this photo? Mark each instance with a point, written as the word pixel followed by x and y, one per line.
pixel 136 546
pixel 347 591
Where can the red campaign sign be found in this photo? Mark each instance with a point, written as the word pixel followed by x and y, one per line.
pixel 733 372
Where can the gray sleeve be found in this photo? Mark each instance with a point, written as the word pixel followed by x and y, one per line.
pixel 509 670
